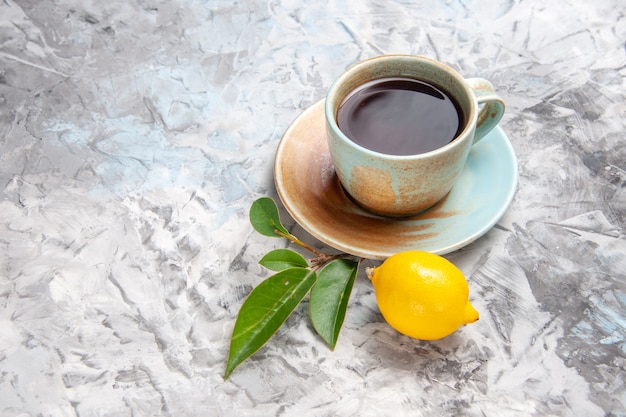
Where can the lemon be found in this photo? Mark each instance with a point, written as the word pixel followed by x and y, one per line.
pixel 422 295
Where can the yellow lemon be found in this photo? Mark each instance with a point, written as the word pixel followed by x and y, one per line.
pixel 422 295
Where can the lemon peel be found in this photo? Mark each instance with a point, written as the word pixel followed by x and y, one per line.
pixel 422 295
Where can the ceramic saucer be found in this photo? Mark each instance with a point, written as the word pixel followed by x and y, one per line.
pixel 310 191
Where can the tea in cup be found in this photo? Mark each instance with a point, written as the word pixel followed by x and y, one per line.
pixel 400 128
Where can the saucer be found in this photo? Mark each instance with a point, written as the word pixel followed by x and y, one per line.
pixel 310 191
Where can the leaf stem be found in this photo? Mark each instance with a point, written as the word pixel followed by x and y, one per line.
pixel 298 242
pixel 320 259
pixel 323 259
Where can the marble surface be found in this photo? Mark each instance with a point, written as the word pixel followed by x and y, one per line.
pixel 134 135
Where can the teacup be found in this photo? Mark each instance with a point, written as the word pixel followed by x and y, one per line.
pixel 395 174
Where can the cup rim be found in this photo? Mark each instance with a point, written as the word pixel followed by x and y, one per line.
pixel 470 123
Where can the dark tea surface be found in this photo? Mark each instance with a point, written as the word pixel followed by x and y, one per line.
pixel 400 116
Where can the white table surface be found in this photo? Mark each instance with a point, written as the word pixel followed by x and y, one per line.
pixel 134 135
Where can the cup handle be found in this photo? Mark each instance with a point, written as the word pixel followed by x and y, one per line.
pixel 492 110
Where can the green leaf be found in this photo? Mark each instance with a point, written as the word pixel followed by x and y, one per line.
pixel 280 259
pixel 265 310
pixel 330 296
pixel 265 219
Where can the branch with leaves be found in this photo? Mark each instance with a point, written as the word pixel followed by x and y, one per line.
pixel 328 279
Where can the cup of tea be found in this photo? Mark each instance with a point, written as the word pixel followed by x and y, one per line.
pixel 400 128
